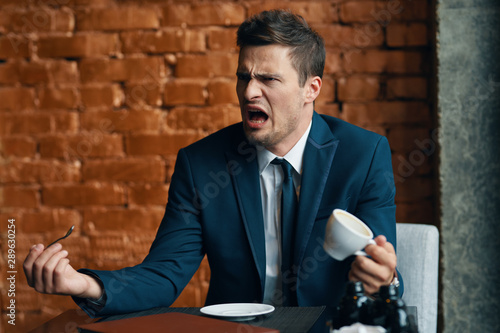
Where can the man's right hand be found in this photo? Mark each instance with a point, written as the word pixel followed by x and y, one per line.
pixel 48 271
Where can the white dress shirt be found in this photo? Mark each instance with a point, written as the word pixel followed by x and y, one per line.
pixel 271 181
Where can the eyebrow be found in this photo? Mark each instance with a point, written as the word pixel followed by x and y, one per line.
pixel 259 75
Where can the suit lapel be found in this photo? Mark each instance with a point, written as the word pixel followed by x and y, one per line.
pixel 318 156
pixel 244 171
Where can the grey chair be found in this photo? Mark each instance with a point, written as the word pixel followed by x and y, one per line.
pixel 418 263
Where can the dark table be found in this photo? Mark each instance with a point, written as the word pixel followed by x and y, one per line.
pixel 285 319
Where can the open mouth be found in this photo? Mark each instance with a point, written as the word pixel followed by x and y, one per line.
pixel 257 116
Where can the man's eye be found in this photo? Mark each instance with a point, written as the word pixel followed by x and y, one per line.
pixel 243 77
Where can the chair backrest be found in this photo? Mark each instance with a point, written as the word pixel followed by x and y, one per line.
pixel 418 263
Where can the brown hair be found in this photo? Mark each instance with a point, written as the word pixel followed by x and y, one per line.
pixel 285 28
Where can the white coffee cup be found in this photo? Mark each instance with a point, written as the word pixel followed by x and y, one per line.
pixel 346 235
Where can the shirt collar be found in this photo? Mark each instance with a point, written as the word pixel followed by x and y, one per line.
pixel 294 156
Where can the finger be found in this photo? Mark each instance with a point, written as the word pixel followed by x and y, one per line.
pixel 383 255
pixel 32 256
pixel 369 286
pixel 38 265
pixel 48 271
pixel 380 240
pixel 371 272
pixel 59 275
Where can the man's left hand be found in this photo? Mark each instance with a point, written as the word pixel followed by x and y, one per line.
pixel 377 271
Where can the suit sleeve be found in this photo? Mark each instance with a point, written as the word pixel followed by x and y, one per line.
pixel 174 257
pixel 376 205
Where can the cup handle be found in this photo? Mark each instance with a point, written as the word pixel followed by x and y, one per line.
pixel 363 253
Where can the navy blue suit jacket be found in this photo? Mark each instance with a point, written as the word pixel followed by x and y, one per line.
pixel 214 208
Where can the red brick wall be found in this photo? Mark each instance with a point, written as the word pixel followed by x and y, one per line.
pixel 96 98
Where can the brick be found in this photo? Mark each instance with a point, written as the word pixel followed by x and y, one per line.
pixel 89 3
pixel 18 146
pixel 203 14
pixel 34 72
pixel 148 194
pixel 316 12
pixel 409 10
pixel 176 14
pixel 5 215
pixel 25 123
pixel 312 12
pixel 222 91
pixel 117 18
pixel 15 46
pixel 379 61
pixel 359 11
pixel 358 88
pixel 208 119
pixel 121 219
pixel 122 120
pixel 88 194
pixel 185 91
pixel 65 122
pixel 158 144
pixel 128 170
pixel 46 72
pixel 213 64
pixel 102 96
pixel 17 99
pixel 410 34
pixel 16 196
pixel 407 87
pixel 414 163
pixel 40 19
pixel 413 188
pixel 55 220
pixel 333 62
pixel 327 94
pixel 90 144
pixel 144 70
pixel 146 93
pixel 346 37
pixel 381 13
pixel 78 46
pixel 363 114
pixel 415 212
pixel 58 98
pixel 167 40
pixel 406 138
pixel 9 73
pixel 328 109
pixel 40 171
pixel 222 39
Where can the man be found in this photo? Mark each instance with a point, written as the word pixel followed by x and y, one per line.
pixel 225 196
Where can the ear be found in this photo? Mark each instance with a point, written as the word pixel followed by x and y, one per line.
pixel 313 88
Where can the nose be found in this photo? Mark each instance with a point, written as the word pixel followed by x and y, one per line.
pixel 251 90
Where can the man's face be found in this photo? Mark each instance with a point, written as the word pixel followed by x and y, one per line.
pixel 275 110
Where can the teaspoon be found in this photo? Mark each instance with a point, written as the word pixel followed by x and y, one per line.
pixel 63 237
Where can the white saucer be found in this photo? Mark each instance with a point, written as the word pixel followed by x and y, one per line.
pixel 237 311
